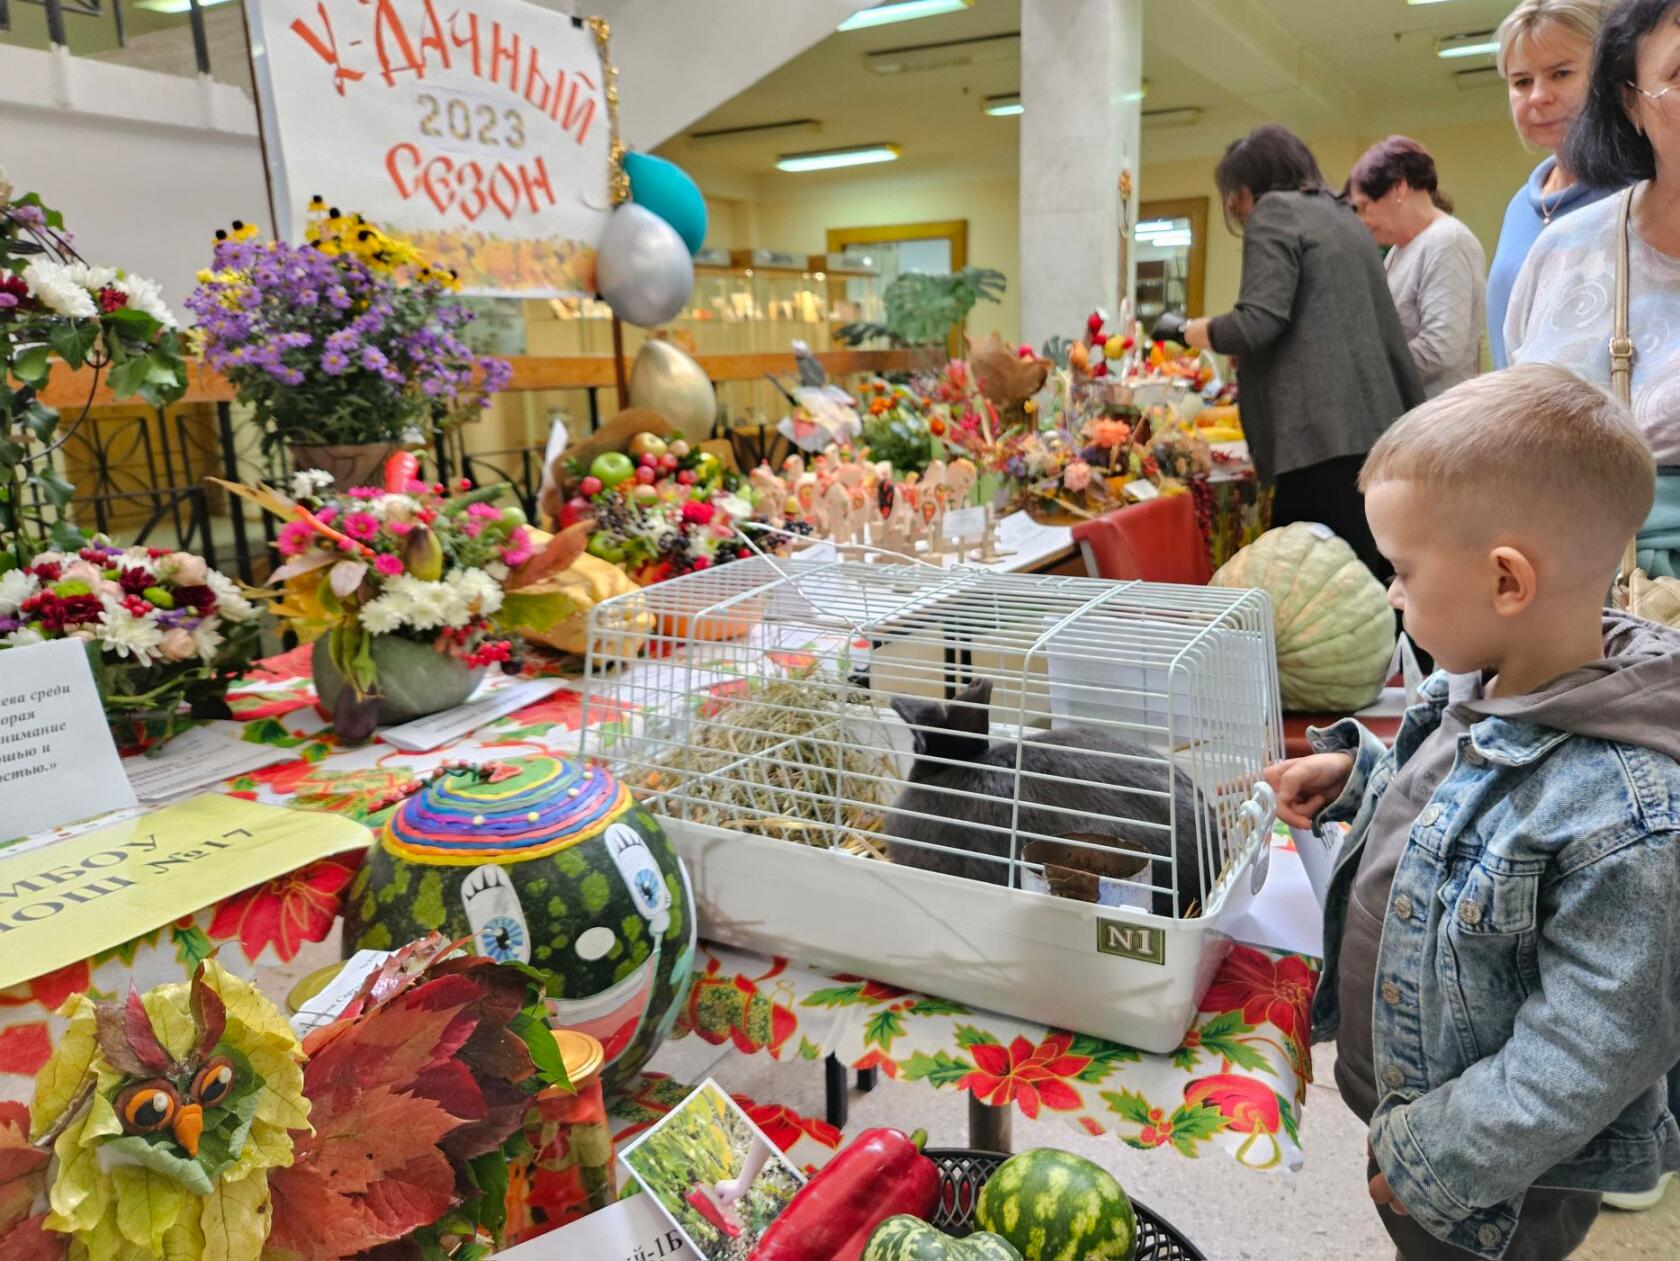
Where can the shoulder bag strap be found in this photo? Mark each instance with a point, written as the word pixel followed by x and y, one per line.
pixel 1621 344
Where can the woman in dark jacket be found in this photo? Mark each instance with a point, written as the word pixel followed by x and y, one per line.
pixel 1321 354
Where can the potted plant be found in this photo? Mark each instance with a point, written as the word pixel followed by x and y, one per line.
pixel 164 632
pixel 400 589
pixel 347 345
pixel 55 308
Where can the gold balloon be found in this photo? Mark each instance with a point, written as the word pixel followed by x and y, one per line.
pixel 665 380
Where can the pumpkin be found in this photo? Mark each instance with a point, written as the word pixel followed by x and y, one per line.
pixel 906 1238
pixel 1055 1206
pixel 555 611
pixel 414 679
pixel 1331 619
pixel 548 863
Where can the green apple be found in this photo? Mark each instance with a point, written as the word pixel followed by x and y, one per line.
pixel 612 467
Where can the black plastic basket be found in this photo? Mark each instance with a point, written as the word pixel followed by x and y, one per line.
pixel 962 1173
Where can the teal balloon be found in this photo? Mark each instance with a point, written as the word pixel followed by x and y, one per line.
pixel 668 191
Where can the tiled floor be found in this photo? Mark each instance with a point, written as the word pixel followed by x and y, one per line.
pixel 1232 1214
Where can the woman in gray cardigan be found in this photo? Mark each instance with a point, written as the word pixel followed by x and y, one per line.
pixel 1320 352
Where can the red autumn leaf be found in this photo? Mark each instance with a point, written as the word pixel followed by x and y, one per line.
pixel 23 1168
pixel 30 1240
pixel 370 1173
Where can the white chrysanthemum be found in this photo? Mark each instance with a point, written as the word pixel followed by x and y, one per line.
pixel 309 482
pixel 94 278
pixel 477 590
pixel 392 507
pixel 5 188
pixel 16 586
pixel 146 295
pixel 207 638
pixel 738 509
pixel 230 604
pixel 126 635
pixel 381 616
pixel 51 285
pixel 25 636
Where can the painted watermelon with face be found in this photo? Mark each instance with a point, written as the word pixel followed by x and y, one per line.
pixel 546 862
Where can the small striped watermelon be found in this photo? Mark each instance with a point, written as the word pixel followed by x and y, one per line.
pixel 1055 1206
pixel 906 1238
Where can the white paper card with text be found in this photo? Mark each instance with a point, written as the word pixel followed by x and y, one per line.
pixel 58 763
pixel 493 699
pixel 966 525
pixel 197 759
pixel 630 1230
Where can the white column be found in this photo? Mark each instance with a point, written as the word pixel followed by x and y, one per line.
pixel 1082 88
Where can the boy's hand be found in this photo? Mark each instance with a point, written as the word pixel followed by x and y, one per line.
pixel 1384 1196
pixel 1305 785
pixel 1381 1193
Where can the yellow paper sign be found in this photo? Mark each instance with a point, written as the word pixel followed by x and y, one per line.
pixel 76 898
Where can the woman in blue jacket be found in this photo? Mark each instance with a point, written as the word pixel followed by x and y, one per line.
pixel 1545 58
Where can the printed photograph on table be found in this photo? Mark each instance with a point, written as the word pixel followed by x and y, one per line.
pixel 717 1176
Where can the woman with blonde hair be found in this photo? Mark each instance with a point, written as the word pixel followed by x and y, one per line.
pixel 1545 58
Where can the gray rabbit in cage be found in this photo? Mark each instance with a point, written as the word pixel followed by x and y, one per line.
pixel 968 806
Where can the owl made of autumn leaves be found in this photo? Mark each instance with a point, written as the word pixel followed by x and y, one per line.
pixel 165 1114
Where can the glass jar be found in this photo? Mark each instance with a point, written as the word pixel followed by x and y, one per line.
pixel 571 1171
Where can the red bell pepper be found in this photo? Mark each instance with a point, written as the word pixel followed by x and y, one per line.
pixel 880 1174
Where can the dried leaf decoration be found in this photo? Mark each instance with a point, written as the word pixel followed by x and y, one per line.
pixel 423 1075
pixel 23 1190
pixel 154 1203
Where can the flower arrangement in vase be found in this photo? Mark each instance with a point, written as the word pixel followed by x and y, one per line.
pixel 897 427
pixel 350 340
pixel 55 308
pixel 400 589
pixel 164 632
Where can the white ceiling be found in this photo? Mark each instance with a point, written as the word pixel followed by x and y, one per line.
pixel 1323 67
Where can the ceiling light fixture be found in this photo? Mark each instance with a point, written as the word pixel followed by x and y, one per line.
pixel 1187 117
pixel 833 159
pixel 1005 106
pixel 1479 44
pixel 901 11
pixel 175 6
pixel 946 54
pixel 1424 2
pixel 718 136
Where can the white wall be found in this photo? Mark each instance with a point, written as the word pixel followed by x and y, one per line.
pixel 145 196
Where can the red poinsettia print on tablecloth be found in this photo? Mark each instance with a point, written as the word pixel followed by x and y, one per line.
pixel 286 665
pixel 784 1127
pixel 25 1048
pixel 1266 989
pixel 1249 1106
pixel 287 912
pixel 49 991
pixel 1031 1077
pixel 564 709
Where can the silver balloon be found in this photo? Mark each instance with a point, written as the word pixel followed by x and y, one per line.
pixel 665 380
pixel 642 268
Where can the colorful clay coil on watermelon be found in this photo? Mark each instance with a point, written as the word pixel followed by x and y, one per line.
pixel 551 863
pixel 1055 1206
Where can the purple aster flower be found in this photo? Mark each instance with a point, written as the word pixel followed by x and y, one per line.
pixel 335 363
pixel 373 359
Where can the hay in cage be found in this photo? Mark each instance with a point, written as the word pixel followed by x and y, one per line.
pixel 788 761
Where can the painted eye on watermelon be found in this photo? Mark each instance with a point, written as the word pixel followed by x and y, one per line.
pixel 214 1082
pixel 501 939
pixel 148 1106
pixel 494 915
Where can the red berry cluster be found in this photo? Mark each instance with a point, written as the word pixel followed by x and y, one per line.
pixel 490 652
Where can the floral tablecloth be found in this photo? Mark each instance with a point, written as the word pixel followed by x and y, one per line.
pixel 1237 1082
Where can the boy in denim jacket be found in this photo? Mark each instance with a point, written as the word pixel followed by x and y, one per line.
pixel 1502 927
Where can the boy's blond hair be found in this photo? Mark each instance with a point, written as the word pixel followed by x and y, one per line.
pixel 1532 445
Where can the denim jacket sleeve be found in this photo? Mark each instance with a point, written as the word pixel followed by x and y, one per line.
pixel 1351 736
pixel 1601 1026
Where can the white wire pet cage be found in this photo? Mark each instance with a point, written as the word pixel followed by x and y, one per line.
pixel 1036 794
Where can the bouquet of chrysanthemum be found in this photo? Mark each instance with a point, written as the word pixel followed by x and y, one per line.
pixel 400 589
pixel 165 633
pixel 56 309
pixel 349 338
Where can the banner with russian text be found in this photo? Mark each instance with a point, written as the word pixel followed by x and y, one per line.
pixel 478 129
pixel 78 897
